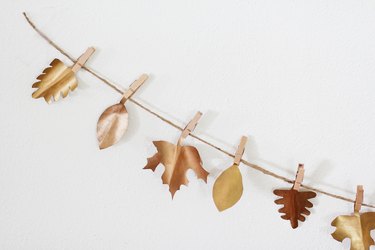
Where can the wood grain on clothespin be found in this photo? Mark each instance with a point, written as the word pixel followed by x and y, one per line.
pixel 240 150
pixel 299 177
pixel 358 198
pixel 83 59
pixel 134 87
pixel 190 126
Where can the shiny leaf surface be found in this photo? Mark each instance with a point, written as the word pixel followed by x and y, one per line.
pixel 357 227
pixel 177 159
pixel 55 81
pixel 295 205
pixel 112 125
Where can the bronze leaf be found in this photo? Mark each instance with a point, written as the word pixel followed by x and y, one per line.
pixel 112 125
pixel 55 81
pixel 295 205
pixel 113 122
pixel 357 227
pixel 177 159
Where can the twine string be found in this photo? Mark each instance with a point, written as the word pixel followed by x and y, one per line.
pixel 118 89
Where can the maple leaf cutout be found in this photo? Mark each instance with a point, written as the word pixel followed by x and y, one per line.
pixel 177 159
pixel 295 205
pixel 55 81
pixel 357 227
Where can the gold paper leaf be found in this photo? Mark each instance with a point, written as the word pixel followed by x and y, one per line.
pixel 228 188
pixel 177 159
pixel 55 80
pixel 295 205
pixel 357 227
pixel 112 125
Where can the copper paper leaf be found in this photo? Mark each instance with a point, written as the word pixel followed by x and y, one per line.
pixel 55 81
pixel 177 159
pixel 295 205
pixel 112 125
pixel 228 188
pixel 357 227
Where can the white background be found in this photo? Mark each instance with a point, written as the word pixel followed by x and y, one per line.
pixel 298 77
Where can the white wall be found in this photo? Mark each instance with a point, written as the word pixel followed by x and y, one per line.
pixel 296 76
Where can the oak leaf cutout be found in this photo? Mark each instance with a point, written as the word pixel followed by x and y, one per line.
pixel 59 79
pixel 55 81
pixel 295 205
pixel 357 228
pixel 177 159
pixel 228 188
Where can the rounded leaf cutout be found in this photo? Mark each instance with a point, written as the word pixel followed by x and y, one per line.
pixel 112 125
pixel 228 188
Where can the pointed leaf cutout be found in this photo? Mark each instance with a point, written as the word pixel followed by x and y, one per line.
pixel 177 159
pixel 357 227
pixel 55 80
pixel 228 188
pixel 295 205
pixel 112 125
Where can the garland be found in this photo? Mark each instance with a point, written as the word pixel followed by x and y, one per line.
pixel 58 80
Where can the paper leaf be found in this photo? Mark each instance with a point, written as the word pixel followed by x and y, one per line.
pixel 228 188
pixel 112 125
pixel 295 205
pixel 357 228
pixel 177 159
pixel 55 81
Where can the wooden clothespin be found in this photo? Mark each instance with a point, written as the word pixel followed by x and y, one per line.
pixel 82 59
pixel 240 150
pixel 133 87
pixel 358 199
pixel 299 177
pixel 190 126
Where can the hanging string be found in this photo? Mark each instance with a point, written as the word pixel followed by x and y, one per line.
pixel 181 128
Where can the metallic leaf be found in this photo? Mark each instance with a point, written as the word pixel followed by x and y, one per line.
pixel 112 125
pixel 177 159
pixel 55 81
pixel 295 205
pixel 357 227
pixel 228 188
